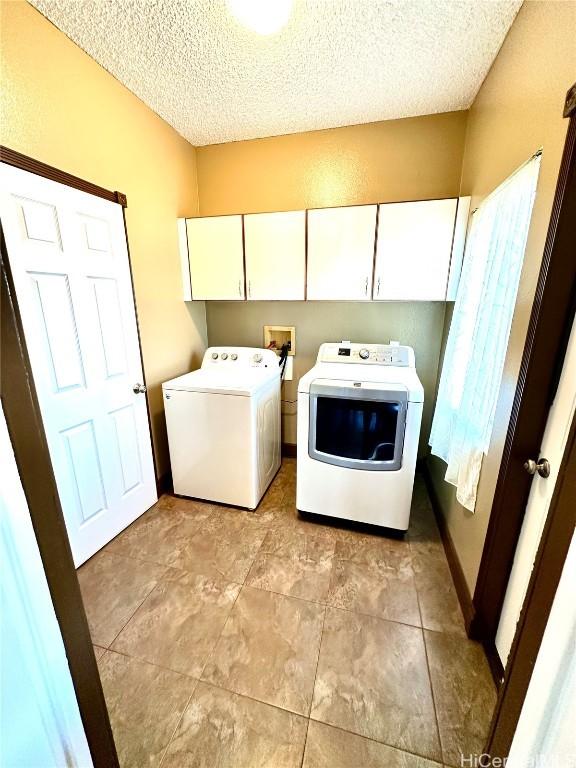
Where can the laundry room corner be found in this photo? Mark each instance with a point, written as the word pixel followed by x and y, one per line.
pixel 417 324
pixel 396 160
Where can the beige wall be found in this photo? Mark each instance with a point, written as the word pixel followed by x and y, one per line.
pixel 60 107
pixel 518 110
pixel 409 159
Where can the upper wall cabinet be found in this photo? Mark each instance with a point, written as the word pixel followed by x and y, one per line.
pixel 419 250
pixel 275 246
pixel 413 250
pixel 416 254
pixel 341 252
pixel 216 257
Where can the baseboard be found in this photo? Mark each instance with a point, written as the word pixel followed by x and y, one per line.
pixel 473 631
pixel 164 484
pixel 289 450
pixel 458 578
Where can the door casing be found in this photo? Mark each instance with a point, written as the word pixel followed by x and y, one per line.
pixel 544 350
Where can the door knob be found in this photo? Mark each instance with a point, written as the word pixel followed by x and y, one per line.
pixel 139 389
pixel 542 467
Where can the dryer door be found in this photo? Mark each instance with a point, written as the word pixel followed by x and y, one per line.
pixel 357 425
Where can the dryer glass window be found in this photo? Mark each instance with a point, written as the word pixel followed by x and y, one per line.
pixel 356 429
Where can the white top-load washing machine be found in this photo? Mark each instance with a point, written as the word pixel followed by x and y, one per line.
pixel 359 415
pixel 223 425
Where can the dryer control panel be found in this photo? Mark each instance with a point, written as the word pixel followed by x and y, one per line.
pixel 366 354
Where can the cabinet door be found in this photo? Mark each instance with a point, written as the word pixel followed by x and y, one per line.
pixel 275 255
pixel 341 252
pixel 458 245
pixel 413 250
pixel 216 257
pixel 184 260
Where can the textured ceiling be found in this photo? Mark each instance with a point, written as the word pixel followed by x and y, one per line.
pixel 336 62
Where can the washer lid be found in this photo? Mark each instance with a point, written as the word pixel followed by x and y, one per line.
pixel 224 382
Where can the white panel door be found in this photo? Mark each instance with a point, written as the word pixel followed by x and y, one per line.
pixel 275 255
pixel 341 252
pixel 554 443
pixel 69 260
pixel 413 250
pixel 216 255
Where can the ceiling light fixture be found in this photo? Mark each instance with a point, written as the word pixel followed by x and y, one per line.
pixel 266 17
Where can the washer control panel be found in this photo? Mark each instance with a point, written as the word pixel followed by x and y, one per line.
pixel 239 357
pixel 366 354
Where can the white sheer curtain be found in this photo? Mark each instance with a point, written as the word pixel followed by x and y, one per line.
pixel 478 338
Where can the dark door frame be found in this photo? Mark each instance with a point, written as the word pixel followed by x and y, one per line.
pixel 548 332
pixel 25 163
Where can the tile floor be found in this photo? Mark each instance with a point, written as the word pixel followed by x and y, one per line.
pixel 249 639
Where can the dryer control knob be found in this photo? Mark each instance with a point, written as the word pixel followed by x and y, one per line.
pixel 364 354
pixel 257 358
pixel 233 356
pixel 214 355
pixel 224 355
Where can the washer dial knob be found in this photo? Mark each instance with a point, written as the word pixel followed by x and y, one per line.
pixel 214 355
pixel 224 355
pixel 233 356
pixel 257 358
pixel 364 354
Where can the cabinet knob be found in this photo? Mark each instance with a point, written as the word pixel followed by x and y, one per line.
pixel 366 287
pixel 378 288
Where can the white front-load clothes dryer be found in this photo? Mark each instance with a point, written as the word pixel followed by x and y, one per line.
pixel 359 416
pixel 223 424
